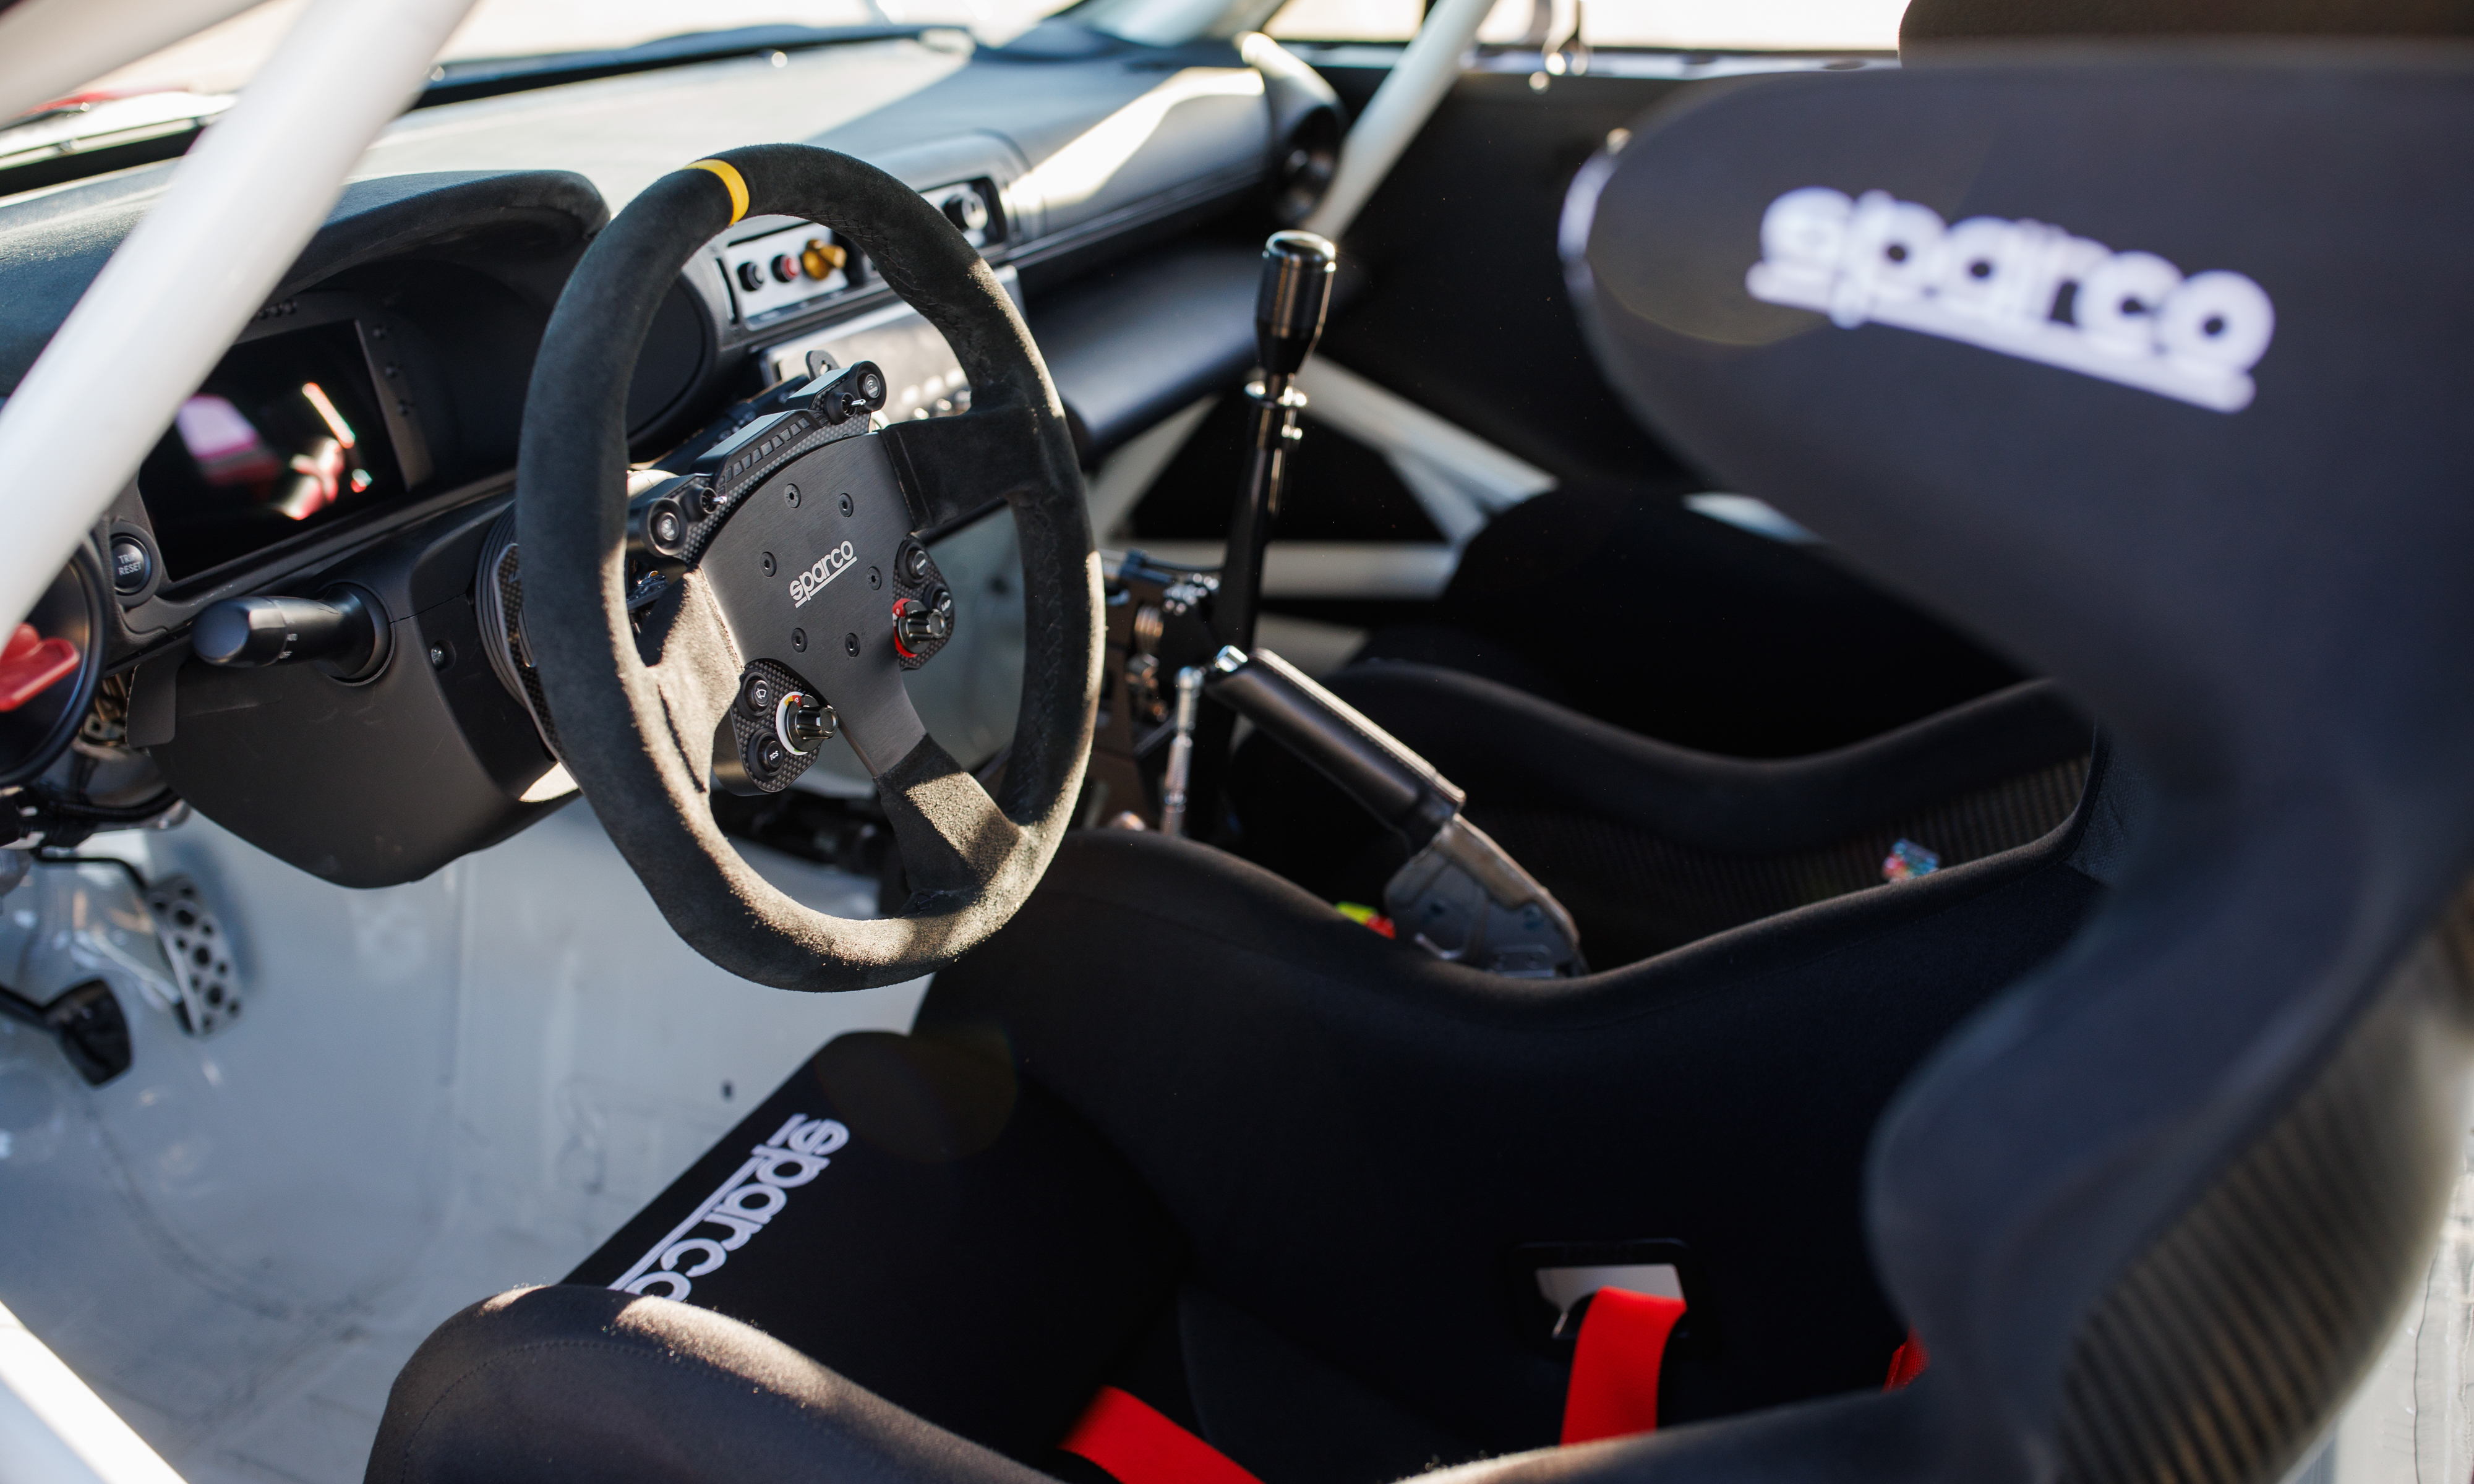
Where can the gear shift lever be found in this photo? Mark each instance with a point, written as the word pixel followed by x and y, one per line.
pixel 1288 320
pixel 1289 306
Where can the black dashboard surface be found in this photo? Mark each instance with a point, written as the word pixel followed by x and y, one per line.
pixel 363 429
pixel 1075 144
pixel 454 240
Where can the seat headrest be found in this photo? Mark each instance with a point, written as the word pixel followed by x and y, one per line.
pixel 1929 24
pixel 2148 369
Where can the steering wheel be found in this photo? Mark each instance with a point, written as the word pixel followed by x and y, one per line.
pixel 789 560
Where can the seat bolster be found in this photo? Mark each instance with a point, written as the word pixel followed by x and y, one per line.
pixel 1511 749
pixel 574 1383
pixel 1841 1440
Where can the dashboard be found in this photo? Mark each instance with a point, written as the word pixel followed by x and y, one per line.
pixel 355 445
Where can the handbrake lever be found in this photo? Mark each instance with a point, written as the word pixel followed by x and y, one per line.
pixel 1461 896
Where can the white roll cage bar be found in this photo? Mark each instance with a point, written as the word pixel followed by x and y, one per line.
pixel 171 300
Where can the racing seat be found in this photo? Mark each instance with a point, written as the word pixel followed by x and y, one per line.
pixel 1616 601
pixel 2148 1168
pixel 1652 845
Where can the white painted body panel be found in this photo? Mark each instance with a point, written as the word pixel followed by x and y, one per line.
pixel 440 1091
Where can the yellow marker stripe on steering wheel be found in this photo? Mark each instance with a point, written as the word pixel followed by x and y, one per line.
pixel 731 179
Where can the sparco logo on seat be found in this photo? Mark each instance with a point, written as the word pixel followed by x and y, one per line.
pixel 754 1194
pixel 832 565
pixel 2020 288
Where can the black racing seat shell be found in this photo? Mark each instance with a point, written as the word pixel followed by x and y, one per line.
pixel 1614 599
pixel 1182 1129
pixel 1652 845
pixel 2150 1168
pixel 2162 1203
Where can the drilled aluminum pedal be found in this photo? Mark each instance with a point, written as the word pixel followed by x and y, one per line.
pixel 200 956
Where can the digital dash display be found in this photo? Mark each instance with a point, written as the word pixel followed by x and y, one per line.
pixel 285 437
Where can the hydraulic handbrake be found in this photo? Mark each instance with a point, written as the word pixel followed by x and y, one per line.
pixel 1461 896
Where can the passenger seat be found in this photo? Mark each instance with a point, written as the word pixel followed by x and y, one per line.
pixel 1651 846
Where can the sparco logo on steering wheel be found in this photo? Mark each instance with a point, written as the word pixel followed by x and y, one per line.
pixel 832 565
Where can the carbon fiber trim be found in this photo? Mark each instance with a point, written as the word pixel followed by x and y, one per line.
pixel 502 591
pixel 2226 1348
pixel 781 440
pixel 751 719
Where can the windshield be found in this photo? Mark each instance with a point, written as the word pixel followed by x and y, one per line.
pixel 1690 25
pixel 221 59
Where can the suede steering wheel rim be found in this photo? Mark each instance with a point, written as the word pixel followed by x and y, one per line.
pixel 636 700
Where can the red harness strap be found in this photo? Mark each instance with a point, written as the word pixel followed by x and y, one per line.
pixel 1612 1394
pixel 1906 1363
pixel 1616 1362
pixel 1129 1438
pixel 1622 1345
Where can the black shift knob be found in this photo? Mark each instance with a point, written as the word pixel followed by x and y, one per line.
pixel 1289 306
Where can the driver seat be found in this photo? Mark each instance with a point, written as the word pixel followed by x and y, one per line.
pixel 2149 1167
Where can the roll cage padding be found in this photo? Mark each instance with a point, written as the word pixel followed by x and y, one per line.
pixel 572 475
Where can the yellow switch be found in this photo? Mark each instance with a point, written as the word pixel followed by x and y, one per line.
pixel 821 257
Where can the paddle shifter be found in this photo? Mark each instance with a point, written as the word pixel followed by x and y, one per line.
pixel 1289 307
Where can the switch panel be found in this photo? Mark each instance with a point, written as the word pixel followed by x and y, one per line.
pixel 782 267
pixel 776 266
